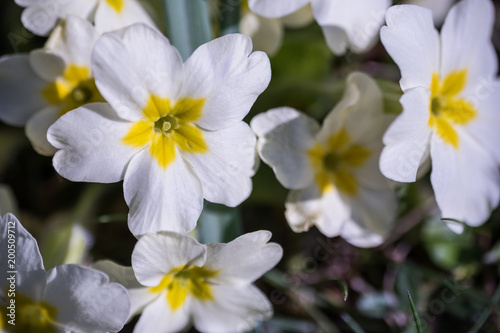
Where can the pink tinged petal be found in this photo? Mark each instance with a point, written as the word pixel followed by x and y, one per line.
pixel 225 169
pixel 465 180
pixel 37 127
pixel 107 19
pixel 229 76
pixel 85 299
pixel 20 90
pixel 285 135
pixel 276 8
pixel 90 143
pixel 303 208
pixel 30 278
pixel 147 65
pixel 161 199
pixel 466 42
pixel 413 43
pixel 155 255
pixel 158 317
pixel 407 139
pixel 243 260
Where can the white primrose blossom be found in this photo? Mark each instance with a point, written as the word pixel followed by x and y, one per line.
pixel 333 170
pixel 40 16
pixel 350 24
pixel 38 88
pixel 174 280
pixel 450 106
pixel 172 130
pixel 68 298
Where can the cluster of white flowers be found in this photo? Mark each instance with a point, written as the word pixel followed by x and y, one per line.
pixel 123 105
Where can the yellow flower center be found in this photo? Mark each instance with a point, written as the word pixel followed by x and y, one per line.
pixel 29 316
pixel 335 161
pixel 183 281
pixel 117 5
pixel 447 108
pixel 168 126
pixel 76 87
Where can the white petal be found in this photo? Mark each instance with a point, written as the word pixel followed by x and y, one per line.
pixel 90 142
pixel 20 90
pixel 336 211
pixel 285 135
pixel 161 199
pixel 158 317
pixel 336 38
pixel 299 19
pixel 413 43
pixel 140 298
pixel 407 139
pixel 37 127
pixel 225 170
pixel 229 76
pixel 147 65
pixel 303 208
pixel 267 34
pixel 117 273
pixel 85 299
pixel 276 8
pixel 439 8
pixel 466 41
pixel 465 180
pixel 232 310
pixel 46 65
pixel 155 255
pixel 107 19
pixel 245 259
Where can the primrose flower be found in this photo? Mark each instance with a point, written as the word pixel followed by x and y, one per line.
pixel 354 23
pixel 38 88
pixel 172 130
pixel 67 298
pixel 450 106
pixel 40 17
pixel 178 280
pixel 333 171
pixel 439 8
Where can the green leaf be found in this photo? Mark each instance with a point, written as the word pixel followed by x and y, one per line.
pixel 415 314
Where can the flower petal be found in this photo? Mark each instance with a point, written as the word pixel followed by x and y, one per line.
pixel 158 317
pixel 303 208
pixel 37 127
pixel 336 211
pixel 47 66
pixel 229 76
pixel 285 136
pixel 155 255
pixel 108 19
pixel 90 143
pixel 276 8
pixel 267 34
pixel 147 65
pixel 85 299
pixel 413 43
pixel 118 273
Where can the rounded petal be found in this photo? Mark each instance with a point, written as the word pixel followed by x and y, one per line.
pixel 117 273
pixel 90 143
pixel 229 76
pixel 285 135
pixel 245 259
pixel 335 212
pixel 225 170
pixel 147 65
pixel 407 139
pixel 439 8
pixel 85 299
pixel 303 208
pixel 37 127
pixel 413 43
pixel 161 199
pixel 465 180
pixel 46 65
pixel 232 310
pixel 276 8
pixel 158 317
pixel 20 90
pixel 155 255
pixel 108 19
pixel 336 38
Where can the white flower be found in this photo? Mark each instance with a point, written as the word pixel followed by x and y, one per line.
pixel 38 88
pixel 40 17
pixel 450 106
pixel 65 298
pixel 173 131
pixel 180 281
pixel 439 8
pixel 333 171
pixel 354 23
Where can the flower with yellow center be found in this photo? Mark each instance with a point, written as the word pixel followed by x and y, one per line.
pixel 172 130
pixel 450 106
pixel 38 88
pixel 68 298
pixel 40 17
pixel 332 171
pixel 174 280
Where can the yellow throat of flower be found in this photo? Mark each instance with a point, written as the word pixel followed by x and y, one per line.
pixel 183 281
pixel 29 316
pixel 117 5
